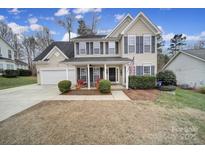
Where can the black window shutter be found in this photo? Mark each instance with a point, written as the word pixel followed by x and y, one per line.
pixel 101 47
pixel 77 48
pixel 106 47
pixel 125 45
pixel 152 69
pixel 116 47
pixel 137 44
pixel 153 44
pixel 78 73
pixel 141 44
pixel 87 48
pixel 91 48
pixel 101 72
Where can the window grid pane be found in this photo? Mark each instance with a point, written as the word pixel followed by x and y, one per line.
pixel 131 44
pixel 147 70
pixel 147 43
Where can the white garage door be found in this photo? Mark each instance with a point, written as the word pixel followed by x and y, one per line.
pixel 52 76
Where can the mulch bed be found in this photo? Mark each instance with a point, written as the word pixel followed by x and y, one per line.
pixel 85 92
pixel 147 95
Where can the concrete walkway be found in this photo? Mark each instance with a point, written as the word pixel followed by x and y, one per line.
pixel 17 99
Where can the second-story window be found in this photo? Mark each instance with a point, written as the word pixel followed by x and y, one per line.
pixel 131 43
pixel 82 47
pixel 9 54
pixel 112 48
pixel 147 43
pixel 96 47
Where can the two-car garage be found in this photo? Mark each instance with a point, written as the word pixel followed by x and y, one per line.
pixel 53 76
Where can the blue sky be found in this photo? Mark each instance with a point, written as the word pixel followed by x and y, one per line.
pixel 171 21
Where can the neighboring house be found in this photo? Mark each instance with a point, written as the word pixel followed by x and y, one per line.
pixel 130 49
pixel 189 67
pixel 7 58
pixel 21 65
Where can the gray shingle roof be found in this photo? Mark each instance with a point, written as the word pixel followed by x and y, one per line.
pixel 4 58
pixel 200 53
pixel 66 47
pixel 19 62
pixel 89 36
pixel 91 59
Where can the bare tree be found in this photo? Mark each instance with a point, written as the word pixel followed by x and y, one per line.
pixel 43 39
pixel 67 23
pixel 95 21
pixel 29 44
pixel 6 32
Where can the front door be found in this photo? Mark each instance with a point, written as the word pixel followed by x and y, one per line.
pixel 112 74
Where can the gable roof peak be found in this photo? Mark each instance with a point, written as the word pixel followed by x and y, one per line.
pixel 146 18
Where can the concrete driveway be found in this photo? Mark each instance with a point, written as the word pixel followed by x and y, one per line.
pixel 17 99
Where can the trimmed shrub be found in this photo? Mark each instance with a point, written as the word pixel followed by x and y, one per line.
pixel 24 72
pixel 168 88
pixel 105 86
pixel 142 82
pixel 10 73
pixel 64 86
pixel 167 77
pixel 202 90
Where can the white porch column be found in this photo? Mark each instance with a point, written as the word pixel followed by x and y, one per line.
pixel 88 76
pixel 123 74
pixel 127 76
pixel 105 72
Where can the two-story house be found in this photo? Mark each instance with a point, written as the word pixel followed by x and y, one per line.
pixel 7 57
pixel 130 49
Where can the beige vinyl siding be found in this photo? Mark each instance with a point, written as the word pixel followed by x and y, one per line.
pixel 188 70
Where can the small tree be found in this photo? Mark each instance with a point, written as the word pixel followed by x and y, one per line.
pixel 176 43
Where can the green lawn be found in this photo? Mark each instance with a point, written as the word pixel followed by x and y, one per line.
pixel 183 98
pixel 15 82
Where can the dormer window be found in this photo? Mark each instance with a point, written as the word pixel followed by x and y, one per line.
pixel 112 48
pixel 147 43
pixel 131 43
pixel 96 47
pixel 9 54
pixel 82 46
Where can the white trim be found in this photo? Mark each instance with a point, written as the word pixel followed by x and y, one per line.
pixel 83 44
pixel 136 18
pixel 49 53
pixel 147 64
pixel 128 15
pixel 128 38
pixel 94 43
pixel 109 45
pixel 150 36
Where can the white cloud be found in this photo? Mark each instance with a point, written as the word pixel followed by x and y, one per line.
pixel 47 18
pixel 119 17
pixel 33 20
pixel 18 29
pixel 53 32
pixel 104 31
pixel 66 36
pixel 86 10
pixel 36 27
pixel 79 16
pixel 14 11
pixel 2 18
pixel 62 12
pixel 161 29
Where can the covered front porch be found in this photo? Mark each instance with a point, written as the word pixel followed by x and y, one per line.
pixel 90 71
